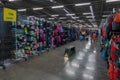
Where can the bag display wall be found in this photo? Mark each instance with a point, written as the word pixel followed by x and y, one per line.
pixel 110 33
pixel 31 35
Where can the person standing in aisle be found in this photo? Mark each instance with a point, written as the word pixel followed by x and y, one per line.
pixel 93 37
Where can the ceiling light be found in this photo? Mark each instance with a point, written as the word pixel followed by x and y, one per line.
pixel 37 8
pixel 112 1
pixel 54 15
pixel 87 13
pixel 91 20
pixel 75 17
pixel 105 15
pixel 70 14
pixel 90 16
pixel 21 10
pixel 12 0
pixel 50 18
pixel 91 9
pixel 82 4
pixel 89 26
pixel 80 20
pixel 54 7
pixel 62 18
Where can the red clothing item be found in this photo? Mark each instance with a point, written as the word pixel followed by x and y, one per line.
pixel 110 70
pixel 112 46
pixel 113 72
pixel 103 31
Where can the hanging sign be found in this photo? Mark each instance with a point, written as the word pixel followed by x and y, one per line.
pixel 9 15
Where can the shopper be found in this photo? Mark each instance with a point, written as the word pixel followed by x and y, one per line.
pixel 93 37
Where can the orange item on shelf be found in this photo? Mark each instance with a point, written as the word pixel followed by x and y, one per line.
pixel 117 17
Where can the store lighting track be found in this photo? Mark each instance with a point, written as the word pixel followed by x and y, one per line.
pixel 20 10
pixel 37 8
pixel 55 7
pixel 83 4
pixel 70 14
pixel 55 15
pixel 107 1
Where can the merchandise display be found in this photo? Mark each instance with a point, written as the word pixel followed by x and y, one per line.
pixel 34 35
pixel 60 39
pixel 110 45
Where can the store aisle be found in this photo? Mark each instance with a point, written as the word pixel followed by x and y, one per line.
pixel 87 64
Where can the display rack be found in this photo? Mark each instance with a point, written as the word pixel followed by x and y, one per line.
pixel 111 45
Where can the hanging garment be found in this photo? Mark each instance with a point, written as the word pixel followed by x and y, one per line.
pixel 109 27
pixel 116 73
pixel 53 33
pixel 104 53
pixel 110 20
pixel 52 42
pixel 111 70
pixel 41 31
pixel 58 27
pixel 103 32
pixel 37 30
pixel 112 46
pixel 61 30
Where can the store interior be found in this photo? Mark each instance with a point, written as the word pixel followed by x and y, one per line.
pixel 59 39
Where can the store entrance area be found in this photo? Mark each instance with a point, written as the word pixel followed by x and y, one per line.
pixel 86 64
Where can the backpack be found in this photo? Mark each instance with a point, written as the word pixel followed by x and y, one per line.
pixel 117 17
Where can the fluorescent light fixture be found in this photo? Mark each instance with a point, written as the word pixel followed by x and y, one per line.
pixel 75 17
pixel 90 68
pixel 90 26
pixel 95 25
pixel 70 14
pixel 107 1
pixel 37 8
pixel 87 13
pixel 62 18
pixel 54 15
pixel 90 16
pixel 21 10
pixel 51 18
pixel 54 7
pixel 91 20
pixel 91 9
pixel 82 4
pixel 80 20
pixel 105 15
pixel 88 76
pixel 12 0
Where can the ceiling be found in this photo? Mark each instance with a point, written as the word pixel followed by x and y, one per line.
pixel 100 9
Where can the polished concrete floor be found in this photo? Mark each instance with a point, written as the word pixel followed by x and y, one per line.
pixel 86 64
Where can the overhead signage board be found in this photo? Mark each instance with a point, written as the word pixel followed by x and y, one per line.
pixel 9 15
